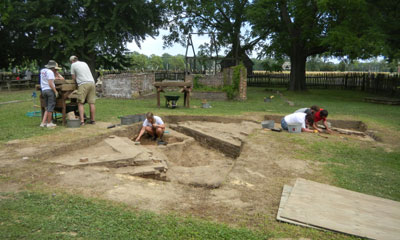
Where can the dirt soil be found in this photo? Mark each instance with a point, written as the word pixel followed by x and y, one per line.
pixel 201 181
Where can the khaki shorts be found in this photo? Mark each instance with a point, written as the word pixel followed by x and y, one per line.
pixel 87 93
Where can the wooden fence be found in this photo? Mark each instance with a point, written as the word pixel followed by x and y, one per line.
pixel 371 82
pixel 9 81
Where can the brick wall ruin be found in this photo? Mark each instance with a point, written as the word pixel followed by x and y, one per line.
pixel 127 85
pixel 133 85
pixel 221 79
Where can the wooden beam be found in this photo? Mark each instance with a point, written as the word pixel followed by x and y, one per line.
pixel 172 84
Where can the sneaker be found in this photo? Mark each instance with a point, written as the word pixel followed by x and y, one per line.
pixel 49 125
pixel 43 125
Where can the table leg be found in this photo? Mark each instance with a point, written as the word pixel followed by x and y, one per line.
pixel 64 109
pixel 184 97
pixel 188 99
pixel 158 97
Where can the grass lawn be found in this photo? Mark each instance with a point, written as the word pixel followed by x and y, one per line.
pixel 349 164
pixel 43 216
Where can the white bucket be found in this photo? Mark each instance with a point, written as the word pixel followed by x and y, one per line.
pixel 296 128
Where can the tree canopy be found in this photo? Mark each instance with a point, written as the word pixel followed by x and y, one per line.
pixel 95 31
pixel 225 19
pixel 302 28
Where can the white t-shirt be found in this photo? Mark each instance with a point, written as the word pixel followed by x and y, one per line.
pixel 46 75
pixel 82 73
pixel 159 121
pixel 296 118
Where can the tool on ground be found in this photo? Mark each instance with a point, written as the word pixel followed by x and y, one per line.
pixel 113 126
pixel 276 129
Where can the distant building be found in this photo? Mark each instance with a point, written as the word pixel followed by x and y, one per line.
pixel 229 62
pixel 286 66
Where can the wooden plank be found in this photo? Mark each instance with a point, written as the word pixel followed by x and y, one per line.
pixel 172 84
pixel 284 197
pixel 342 210
pixel 68 87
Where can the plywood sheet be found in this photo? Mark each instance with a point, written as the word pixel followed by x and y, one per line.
pixel 285 196
pixel 342 210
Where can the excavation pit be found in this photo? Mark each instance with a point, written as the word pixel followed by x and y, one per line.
pixel 200 151
pixel 198 154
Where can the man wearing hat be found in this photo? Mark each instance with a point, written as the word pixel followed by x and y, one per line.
pixel 49 92
pixel 86 88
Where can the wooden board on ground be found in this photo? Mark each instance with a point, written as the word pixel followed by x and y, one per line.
pixel 285 196
pixel 383 100
pixel 342 210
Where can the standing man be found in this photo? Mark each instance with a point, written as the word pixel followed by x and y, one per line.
pixel 49 92
pixel 86 88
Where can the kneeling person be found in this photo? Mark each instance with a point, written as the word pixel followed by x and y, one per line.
pixel 301 118
pixel 152 125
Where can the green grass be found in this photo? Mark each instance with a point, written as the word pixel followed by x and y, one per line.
pixel 348 164
pixel 359 168
pixel 30 215
pixel 342 104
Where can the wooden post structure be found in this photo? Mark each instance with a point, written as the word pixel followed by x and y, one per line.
pixel 186 89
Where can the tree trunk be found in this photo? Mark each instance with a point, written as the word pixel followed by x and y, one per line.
pixel 92 64
pixel 298 69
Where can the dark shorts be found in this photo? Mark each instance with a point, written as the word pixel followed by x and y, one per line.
pixel 284 124
pixel 50 100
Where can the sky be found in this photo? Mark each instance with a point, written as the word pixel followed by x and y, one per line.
pixel 155 46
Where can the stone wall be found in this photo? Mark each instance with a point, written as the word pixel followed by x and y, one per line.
pixel 127 85
pixel 221 79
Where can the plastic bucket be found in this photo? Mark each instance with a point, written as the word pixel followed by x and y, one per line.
pixel 294 128
pixel 205 105
pixel 73 123
pixel 268 124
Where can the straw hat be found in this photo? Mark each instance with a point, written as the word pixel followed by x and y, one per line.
pixel 52 64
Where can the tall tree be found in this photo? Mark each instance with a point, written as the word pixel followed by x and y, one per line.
pixel 224 18
pixel 302 28
pixel 386 13
pixel 95 31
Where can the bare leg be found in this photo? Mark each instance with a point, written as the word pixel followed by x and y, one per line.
pixel 159 132
pixel 81 112
pixel 49 117
pixel 44 117
pixel 92 111
pixel 150 131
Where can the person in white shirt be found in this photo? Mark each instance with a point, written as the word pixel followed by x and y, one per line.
pixel 152 125
pixel 305 119
pixel 81 73
pixel 49 92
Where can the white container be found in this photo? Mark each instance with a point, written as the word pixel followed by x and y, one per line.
pixel 296 128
